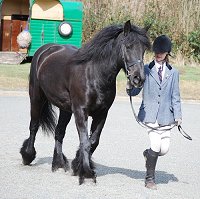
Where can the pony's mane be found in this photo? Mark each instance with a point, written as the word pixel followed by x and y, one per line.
pixel 101 45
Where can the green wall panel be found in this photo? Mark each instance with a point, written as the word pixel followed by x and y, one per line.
pixel 44 32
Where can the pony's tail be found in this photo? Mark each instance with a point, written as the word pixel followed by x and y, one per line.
pixel 48 118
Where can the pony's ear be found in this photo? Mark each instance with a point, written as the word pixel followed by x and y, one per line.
pixel 127 28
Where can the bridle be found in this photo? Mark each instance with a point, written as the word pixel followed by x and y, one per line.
pixel 127 66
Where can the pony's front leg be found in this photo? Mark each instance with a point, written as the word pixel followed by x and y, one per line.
pixel 59 159
pixel 82 164
pixel 96 129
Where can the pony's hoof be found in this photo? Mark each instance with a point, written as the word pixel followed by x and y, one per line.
pixel 81 180
pixel 59 162
pixel 27 156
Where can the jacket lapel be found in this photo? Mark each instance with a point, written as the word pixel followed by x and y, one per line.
pixel 153 72
pixel 168 73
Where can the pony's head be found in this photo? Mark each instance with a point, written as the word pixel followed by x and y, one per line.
pixel 134 42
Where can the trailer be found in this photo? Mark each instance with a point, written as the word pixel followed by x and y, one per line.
pixel 45 21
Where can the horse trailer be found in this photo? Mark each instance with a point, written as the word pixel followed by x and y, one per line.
pixel 42 22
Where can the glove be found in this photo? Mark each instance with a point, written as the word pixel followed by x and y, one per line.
pixel 178 121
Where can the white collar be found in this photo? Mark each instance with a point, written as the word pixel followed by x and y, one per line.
pixel 159 65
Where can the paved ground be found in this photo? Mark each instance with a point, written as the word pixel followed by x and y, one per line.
pixel 119 161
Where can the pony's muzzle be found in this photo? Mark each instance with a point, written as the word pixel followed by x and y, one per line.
pixel 137 80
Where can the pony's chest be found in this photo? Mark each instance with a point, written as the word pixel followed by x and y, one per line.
pixel 101 101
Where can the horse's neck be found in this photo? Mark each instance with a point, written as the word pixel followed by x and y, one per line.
pixel 107 74
pixel 108 68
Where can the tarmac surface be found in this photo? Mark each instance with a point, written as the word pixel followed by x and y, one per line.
pixel 118 158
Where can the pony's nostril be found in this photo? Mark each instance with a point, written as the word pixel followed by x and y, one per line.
pixel 136 79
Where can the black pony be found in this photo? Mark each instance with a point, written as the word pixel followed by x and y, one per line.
pixel 83 82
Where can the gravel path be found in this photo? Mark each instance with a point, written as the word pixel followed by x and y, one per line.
pixel 119 161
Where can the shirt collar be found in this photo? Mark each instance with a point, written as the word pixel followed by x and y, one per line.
pixel 158 65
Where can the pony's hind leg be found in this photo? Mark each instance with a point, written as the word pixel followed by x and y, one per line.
pixel 28 150
pixel 59 160
pixel 42 115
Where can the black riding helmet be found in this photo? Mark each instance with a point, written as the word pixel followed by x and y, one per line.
pixel 162 44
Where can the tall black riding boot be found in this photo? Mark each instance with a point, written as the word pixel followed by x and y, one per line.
pixel 151 159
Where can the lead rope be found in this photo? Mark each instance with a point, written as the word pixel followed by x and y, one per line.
pixel 183 133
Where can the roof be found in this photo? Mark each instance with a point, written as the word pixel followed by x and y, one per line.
pixel 72 9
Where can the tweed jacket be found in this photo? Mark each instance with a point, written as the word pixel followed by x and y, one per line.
pixel 160 101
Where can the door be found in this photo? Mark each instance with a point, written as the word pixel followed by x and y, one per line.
pixel 6 35
pixel 10 31
pixel 18 25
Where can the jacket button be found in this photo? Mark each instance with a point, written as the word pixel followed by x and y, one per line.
pixel 158 95
pixel 159 88
pixel 158 102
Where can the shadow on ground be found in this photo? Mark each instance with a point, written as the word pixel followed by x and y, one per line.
pixel 162 177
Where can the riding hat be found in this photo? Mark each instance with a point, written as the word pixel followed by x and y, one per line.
pixel 162 44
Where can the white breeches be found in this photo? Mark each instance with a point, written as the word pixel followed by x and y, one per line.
pixel 160 140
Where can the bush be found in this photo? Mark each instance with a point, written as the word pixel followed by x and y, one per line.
pixel 175 18
pixel 194 43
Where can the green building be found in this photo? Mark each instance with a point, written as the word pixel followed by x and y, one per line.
pixel 48 21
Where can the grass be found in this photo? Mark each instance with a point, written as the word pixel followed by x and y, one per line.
pixel 15 77
pixel 188 73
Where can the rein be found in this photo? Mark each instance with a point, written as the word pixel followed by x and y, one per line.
pixel 183 133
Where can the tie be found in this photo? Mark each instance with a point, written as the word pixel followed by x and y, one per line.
pixel 160 69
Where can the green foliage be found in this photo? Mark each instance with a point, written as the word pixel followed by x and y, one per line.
pixel 97 15
pixel 194 43
pixel 176 18
pixel 157 27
